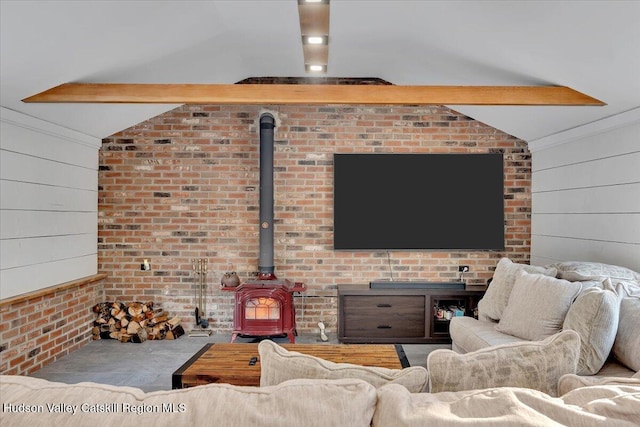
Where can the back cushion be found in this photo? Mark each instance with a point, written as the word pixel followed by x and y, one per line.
pixel 582 270
pixel 495 299
pixel 532 364
pixel 594 316
pixel 537 306
pixel 347 402
pixel 278 364
pixel 627 344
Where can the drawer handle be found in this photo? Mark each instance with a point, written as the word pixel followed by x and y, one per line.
pixel 384 305
pixel 384 326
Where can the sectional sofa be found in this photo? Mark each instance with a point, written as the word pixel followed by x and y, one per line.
pixel 325 394
pixel 515 366
pixel 529 303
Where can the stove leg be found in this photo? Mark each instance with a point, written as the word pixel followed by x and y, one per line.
pixel 292 338
pixel 234 336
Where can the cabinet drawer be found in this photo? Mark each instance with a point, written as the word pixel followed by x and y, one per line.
pixel 380 304
pixel 384 316
pixel 378 327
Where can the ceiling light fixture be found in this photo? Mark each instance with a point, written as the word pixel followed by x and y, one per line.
pixel 314 29
pixel 315 40
pixel 316 68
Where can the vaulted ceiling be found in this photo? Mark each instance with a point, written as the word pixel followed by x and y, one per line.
pixel 590 46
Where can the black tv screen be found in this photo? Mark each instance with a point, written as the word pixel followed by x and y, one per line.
pixel 418 201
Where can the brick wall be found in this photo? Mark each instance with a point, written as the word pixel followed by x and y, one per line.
pixel 38 329
pixel 185 185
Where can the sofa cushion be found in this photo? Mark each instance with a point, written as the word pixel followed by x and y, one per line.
pixel 569 382
pixel 278 364
pixel 537 365
pixel 468 334
pixel 584 270
pixel 613 368
pixel 626 347
pixel 537 306
pixel 294 403
pixel 495 299
pixel 603 406
pixel 594 316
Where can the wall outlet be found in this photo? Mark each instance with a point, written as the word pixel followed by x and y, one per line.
pixel 463 268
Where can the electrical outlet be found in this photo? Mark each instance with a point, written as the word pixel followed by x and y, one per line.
pixel 463 268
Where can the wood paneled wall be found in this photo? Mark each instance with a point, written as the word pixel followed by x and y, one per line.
pixel 586 194
pixel 48 205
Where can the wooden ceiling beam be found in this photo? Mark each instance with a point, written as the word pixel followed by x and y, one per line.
pixel 114 93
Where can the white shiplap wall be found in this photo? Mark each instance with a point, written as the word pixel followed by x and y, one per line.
pixel 48 204
pixel 586 194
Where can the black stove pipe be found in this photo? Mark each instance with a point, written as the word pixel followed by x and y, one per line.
pixel 265 265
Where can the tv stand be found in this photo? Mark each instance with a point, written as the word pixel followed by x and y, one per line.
pixel 399 315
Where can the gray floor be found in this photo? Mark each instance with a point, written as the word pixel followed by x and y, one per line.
pixel 149 365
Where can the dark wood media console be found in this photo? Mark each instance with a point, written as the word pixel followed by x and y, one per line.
pixel 404 315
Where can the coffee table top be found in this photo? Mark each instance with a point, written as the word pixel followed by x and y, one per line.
pixel 229 363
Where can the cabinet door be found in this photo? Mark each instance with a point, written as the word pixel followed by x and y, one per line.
pixel 382 316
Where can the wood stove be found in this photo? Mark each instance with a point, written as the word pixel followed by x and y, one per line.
pixel 265 308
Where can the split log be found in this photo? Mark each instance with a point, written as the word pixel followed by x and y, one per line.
pixel 162 317
pixel 140 336
pixel 133 327
pixel 119 314
pixel 174 322
pixel 135 309
pixel 178 331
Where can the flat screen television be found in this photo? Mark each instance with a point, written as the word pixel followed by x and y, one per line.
pixel 418 202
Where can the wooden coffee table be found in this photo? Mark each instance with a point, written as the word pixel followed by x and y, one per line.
pixel 229 363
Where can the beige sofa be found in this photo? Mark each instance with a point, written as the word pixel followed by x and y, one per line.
pixel 528 303
pixel 312 402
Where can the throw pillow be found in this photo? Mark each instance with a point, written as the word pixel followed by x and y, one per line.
pixel 495 299
pixel 278 364
pixel 537 365
pixel 594 316
pixel 626 347
pixel 584 270
pixel 537 306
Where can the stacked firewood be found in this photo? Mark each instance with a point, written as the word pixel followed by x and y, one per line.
pixel 134 322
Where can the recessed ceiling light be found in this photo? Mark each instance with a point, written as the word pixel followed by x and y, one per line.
pixel 316 68
pixel 315 40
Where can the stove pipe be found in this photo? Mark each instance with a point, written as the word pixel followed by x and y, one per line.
pixel 265 264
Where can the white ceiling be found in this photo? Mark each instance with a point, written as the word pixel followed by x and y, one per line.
pixel 590 46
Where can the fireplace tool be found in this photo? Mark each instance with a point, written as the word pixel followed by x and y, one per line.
pixel 200 270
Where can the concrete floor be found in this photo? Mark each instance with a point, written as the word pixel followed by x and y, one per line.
pixel 149 365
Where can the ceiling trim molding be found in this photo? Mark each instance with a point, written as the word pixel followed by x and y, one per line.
pixel 626 118
pixel 35 124
pixel 311 94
